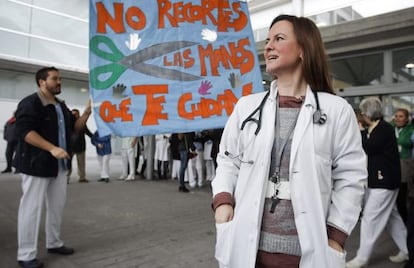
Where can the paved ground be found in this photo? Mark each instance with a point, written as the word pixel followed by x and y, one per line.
pixel 146 224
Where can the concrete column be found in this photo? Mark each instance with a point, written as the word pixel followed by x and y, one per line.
pixel 149 171
pixel 387 67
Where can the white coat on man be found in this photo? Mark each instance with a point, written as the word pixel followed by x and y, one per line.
pixel 327 172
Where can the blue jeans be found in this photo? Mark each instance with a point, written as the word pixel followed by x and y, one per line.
pixel 183 166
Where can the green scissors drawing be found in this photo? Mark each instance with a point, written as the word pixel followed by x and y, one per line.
pixel 104 76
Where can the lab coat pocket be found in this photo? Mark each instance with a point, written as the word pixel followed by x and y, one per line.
pixel 336 259
pixel 224 243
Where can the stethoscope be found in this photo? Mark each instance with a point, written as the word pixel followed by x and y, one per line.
pixel 318 117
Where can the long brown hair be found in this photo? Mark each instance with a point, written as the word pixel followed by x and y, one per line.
pixel 314 62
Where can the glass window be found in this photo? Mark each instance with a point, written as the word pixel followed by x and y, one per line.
pixel 59 54
pixel 14 16
pixel 54 26
pixel 76 8
pixel 51 31
pixel 359 70
pixel 17 85
pixel 403 65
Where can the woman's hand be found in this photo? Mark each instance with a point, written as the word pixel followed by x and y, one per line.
pixel 224 213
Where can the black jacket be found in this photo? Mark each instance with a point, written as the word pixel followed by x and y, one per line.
pixel 384 170
pixel 33 113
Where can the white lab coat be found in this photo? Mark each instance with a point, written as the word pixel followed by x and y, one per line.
pixel 327 172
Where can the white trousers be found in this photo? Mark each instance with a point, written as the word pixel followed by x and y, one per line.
pixel 210 169
pixel 175 170
pixel 128 159
pixel 380 212
pixel 36 192
pixel 104 164
pixel 196 170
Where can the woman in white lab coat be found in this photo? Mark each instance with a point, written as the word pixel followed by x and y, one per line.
pixel 303 161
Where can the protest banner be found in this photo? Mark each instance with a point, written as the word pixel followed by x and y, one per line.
pixel 165 66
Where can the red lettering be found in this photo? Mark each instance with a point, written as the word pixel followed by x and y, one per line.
pixel 134 17
pixel 109 112
pixel 238 56
pixel 207 107
pixel 172 14
pixel 185 59
pixel 226 20
pixel 104 18
pixel 247 89
pixel 154 109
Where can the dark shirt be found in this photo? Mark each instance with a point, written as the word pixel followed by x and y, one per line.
pixel 384 170
pixel 174 141
pixel 186 143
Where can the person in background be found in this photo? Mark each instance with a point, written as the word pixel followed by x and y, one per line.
pixel 198 177
pixel 138 154
pixel 175 155
pixel 410 216
pixel 11 138
pixel 216 137
pixel 290 170
pixel 146 154
pixel 384 176
pixel 44 126
pixel 185 147
pixel 403 131
pixel 79 148
pixel 103 152
pixel 128 145
pixel 208 156
pixel 162 154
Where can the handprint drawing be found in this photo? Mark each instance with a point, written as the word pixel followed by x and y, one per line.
pixel 118 91
pixel 209 35
pixel 234 80
pixel 204 87
pixel 134 41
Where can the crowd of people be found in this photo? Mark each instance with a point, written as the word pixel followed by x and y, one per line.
pixel 43 137
pixel 198 169
pixel 285 194
pixel 389 151
pixel 186 157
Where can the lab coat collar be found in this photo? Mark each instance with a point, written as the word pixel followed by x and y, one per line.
pixel 309 98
